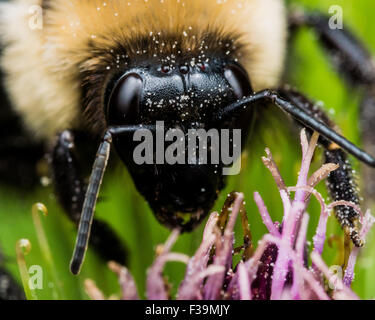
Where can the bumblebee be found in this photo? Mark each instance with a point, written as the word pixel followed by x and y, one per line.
pixel 98 71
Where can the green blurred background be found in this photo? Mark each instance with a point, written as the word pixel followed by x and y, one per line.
pixel 126 211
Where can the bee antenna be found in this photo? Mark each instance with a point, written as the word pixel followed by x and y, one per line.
pixel 89 204
pixel 92 192
pixel 300 115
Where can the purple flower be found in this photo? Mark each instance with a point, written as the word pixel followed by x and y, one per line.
pixel 277 269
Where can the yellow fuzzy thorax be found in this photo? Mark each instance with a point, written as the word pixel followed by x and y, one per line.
pixel 44 67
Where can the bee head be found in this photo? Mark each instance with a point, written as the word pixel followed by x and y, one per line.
pixel 179 92
pixel 184 96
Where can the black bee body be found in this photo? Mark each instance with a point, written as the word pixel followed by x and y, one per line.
pixel 15 169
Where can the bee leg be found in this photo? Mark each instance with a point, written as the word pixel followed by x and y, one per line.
pixel 348 54
pixel 70 190
pixel 354 61
pixel 341 182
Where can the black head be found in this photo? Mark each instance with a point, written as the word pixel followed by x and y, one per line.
pixel 183 95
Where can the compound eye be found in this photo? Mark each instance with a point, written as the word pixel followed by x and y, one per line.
pixel 238 80
pixel 124 101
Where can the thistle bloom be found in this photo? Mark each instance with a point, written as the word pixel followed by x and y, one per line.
pixel 277 269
